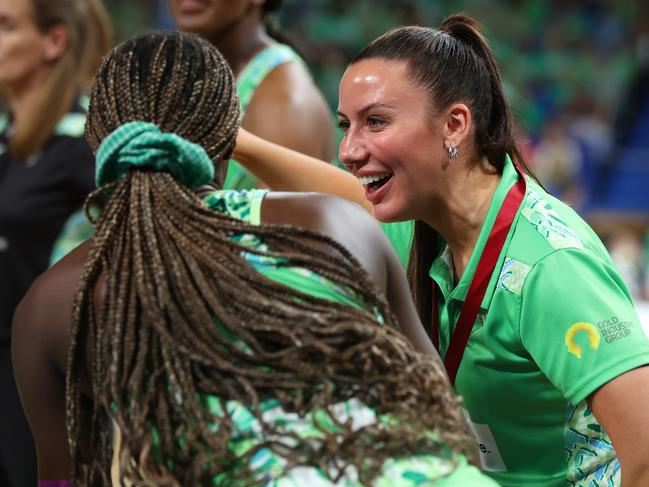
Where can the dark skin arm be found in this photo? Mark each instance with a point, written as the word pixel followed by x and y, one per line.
pixel 288 109
pixel 288 170
pixel 621 408
pixel 39 353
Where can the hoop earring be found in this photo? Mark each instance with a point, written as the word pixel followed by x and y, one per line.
pixel 453 152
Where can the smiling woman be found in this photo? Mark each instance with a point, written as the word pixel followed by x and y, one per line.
pixel 511 284
pixel 381 114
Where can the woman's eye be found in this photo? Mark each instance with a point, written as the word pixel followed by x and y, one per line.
pixel 343 125
pixel 374 122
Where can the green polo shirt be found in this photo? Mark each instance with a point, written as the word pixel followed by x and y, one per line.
pixel 556 323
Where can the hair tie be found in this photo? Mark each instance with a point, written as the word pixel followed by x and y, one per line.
pixel 142 144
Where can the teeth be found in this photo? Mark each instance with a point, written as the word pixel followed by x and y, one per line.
pixel 365 180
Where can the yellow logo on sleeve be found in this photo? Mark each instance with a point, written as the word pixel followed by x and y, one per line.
pixel 591 332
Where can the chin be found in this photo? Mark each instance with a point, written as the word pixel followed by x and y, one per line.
pixel 385 214
pixel 193 26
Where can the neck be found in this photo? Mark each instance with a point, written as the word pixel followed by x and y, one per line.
pixel 460 213
pixel 22 97
pixel 241 40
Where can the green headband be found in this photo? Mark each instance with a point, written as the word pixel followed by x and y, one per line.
pixel 142 144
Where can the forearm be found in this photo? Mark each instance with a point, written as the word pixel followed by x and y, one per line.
pixel 284 169
pixel 620 406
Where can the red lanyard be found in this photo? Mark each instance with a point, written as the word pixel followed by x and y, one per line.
pixel 480 280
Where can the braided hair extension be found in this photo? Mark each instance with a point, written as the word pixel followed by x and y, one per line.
pixel 177 289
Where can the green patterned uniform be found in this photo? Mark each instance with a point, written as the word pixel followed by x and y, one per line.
pixel 247 82
pixel 420 470
pixel 556 323
pixel 75 231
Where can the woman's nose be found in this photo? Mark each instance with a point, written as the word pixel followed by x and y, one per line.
pixel 352 151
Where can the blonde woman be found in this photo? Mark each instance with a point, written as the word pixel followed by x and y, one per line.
pixel 49 50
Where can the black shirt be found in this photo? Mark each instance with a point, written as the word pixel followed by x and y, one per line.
pixel 37 195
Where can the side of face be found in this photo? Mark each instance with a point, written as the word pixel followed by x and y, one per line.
pixel 206 17
pixel 391 142
pixel 24 50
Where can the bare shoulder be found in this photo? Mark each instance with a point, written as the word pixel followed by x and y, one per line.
pixel 289 109
pixel 342 220
pixel 43 316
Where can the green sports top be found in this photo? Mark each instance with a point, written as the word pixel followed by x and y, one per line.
pixel 409 471
pixel 556 323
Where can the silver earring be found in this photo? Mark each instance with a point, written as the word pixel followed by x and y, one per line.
pixel 452 152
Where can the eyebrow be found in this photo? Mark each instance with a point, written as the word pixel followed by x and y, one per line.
pixel 367 108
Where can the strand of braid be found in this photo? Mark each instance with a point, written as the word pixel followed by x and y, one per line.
pixel 177 287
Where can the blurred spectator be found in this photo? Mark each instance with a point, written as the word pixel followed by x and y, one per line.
pixel 626 251
pixel 49 51
pixel 644 271
pixel 279 100
pixel 557 161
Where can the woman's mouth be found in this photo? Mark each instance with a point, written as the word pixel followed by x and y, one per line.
pixel 191 6
pixel 376 186
pixel 375 181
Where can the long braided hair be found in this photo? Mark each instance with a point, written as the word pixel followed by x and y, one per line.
pixel 185 318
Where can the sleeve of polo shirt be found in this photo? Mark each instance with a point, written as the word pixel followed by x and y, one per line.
pixel 579 323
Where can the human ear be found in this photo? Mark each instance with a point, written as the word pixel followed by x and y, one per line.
pixel 457 125
pixel 55 42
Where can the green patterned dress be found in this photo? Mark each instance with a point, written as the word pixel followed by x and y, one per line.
pixel 447 469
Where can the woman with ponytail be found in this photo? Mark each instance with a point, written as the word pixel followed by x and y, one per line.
pixel 213 337
pixel 538 332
